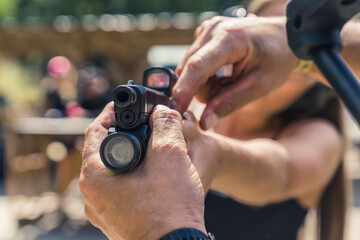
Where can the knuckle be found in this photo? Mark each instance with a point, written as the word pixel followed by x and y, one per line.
pixel 175 148
pixel 166 113
pixel 198 31
pixel 94 127
pixel 215 20
pixel 89 190
pixel 95 130
pixel 195 63
pixel 89 179
pixel 173 114
pixel 89 129
pixel 231 40
pixel 204 25
pixel 166 125
pixel 208 24
pixel 84 184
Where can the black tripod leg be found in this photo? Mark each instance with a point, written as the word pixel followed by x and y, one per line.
pixel 340 78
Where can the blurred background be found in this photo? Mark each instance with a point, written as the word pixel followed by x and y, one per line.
pixel 59 60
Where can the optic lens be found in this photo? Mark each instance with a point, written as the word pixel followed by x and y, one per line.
pixel 119 151
pixel 158 79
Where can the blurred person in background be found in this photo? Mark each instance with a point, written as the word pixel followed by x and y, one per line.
pixel 93 89
pixel 272 160
pixel 60 89
pixel 93 93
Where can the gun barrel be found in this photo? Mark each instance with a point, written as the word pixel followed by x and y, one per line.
pixel 124 96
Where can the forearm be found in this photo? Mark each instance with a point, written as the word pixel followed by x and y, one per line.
pixel 254 171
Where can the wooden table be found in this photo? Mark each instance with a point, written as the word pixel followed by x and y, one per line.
pixel 29 170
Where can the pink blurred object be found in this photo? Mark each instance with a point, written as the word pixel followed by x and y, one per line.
pixel 58 66
pixel 74 109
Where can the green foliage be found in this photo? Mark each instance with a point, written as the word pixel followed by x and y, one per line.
pixel 18 84
pixel 51 8
pixel 8 8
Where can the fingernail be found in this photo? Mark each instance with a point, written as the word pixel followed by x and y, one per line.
pixel 186 116
pixel 210 120
pixel 173 104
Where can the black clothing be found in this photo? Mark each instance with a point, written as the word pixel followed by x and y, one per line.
pixel 228 219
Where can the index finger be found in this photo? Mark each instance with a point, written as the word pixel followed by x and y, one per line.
pixel 97 131
pixel 202 36
pixel 203 64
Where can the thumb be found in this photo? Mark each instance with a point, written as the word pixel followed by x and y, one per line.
pixel 95 134
pixel 167 139
pixel 232 97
